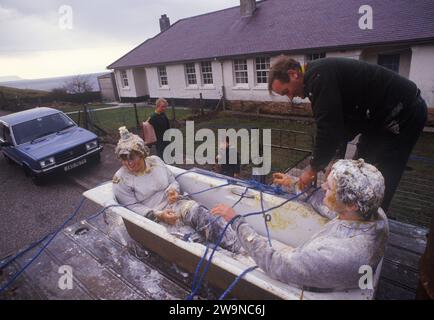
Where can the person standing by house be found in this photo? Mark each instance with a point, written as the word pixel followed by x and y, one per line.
pixel 161 123
pixel 351 97
pixel 226 167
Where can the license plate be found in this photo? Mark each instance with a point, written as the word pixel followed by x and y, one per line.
pixel 74 165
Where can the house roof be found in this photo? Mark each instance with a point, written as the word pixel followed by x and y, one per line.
pixel 284 26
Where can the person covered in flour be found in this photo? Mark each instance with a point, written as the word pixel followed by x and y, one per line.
pixel 331 258
pixel 146 186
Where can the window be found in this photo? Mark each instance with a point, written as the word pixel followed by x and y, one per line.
pixel 262 69
pixel 40 127
pixel 314 56
pixel 124 79
pixel 389 61
pixel 240 70
pixel 206 69
pixel 190 72
pixel 162 75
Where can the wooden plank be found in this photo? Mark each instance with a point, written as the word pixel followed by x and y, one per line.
pixel 416 244
pixel 127 267
pixel 99 280
pixel 401 274
pixel 390 291
pixel 406 229
pixel 43 275
pixel 402 257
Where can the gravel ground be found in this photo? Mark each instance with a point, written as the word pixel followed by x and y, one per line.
pixel 29 212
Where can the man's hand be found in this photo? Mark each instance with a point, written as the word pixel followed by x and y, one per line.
pixel 168 216
pixel 172 196
pixel 282 179
pixel 224 211
pixel 306 179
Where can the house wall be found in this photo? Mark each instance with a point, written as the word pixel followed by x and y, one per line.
pixel 416 63
pixel 177 84
pixel 352 54
pixel 421 71
pixel 126 92
pixel 371 55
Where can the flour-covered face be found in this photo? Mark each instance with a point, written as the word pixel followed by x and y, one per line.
pixel 330 200
pixel 134 162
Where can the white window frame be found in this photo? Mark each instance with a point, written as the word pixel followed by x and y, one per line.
pixel 262 69
pixel 190 74
pixel 163 79
pixel 241 72
pixel 206 73
pixel 124 79
pixel 315 56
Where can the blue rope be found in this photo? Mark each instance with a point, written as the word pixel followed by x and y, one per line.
pixel 223 232
pixel 53 234
pixel 22 252
pixel 265 220
pixel 233 284
pixel 241 197
pixel 4 287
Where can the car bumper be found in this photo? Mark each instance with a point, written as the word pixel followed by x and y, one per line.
pixel 61 166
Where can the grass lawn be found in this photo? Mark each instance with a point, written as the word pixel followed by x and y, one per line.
pixel 75 107
pixel 111 120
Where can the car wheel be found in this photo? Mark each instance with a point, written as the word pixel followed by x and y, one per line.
pixel 37 180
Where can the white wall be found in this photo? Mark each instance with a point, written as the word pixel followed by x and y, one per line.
pixel 422 71
pixel 177 84
pixel 352 54
pixel 137 82
pixel 371 55
pixel 126 92
pixel 416 64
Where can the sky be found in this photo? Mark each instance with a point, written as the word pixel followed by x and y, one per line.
pixel 49 38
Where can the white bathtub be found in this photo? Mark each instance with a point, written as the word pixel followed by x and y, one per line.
pixel 290 225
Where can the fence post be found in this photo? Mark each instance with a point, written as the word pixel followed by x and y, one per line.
pixel 85 119
pixel 137 117
pixel 201 104
pixel 79 117
pixel 173 109
pixel 223 98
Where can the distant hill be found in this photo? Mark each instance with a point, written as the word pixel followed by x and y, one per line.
pixel 10 78
pixel 12 93
pixel 47 84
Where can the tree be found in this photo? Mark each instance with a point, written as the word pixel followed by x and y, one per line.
pixel 78 84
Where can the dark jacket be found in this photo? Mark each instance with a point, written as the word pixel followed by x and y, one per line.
pixel 350 97
pixel 161 123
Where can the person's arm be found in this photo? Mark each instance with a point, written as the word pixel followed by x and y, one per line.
pixel 125 196
pixel 314 264
pixel 328 112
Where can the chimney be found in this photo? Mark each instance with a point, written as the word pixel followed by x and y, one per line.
pixel 164 23
pixel 247 7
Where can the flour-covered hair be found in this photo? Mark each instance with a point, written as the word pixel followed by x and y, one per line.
pixel 360 183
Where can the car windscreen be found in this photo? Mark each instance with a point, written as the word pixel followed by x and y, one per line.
pixel 40 127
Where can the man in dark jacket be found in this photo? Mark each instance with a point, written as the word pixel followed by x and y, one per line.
pixel 351 97
pixel 161 123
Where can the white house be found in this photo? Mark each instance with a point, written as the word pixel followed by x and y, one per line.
pixel 229 51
